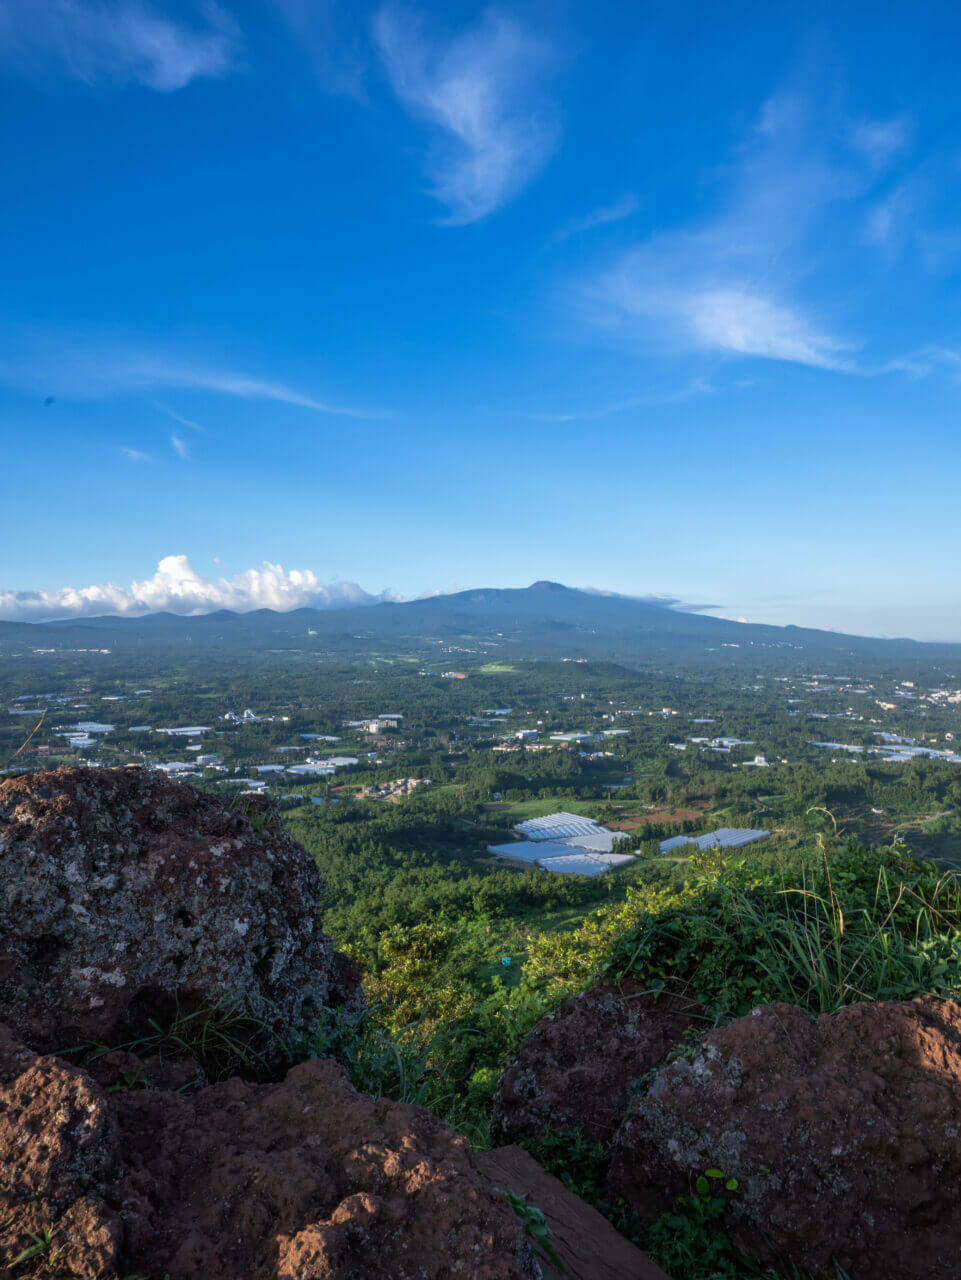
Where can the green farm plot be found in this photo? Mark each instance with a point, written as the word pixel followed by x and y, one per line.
pixel 524 809
pixel 497 669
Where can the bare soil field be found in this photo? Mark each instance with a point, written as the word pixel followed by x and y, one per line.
pixel 633 821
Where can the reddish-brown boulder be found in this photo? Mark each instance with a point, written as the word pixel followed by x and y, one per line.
pixel 575 1069
pixel 844 1133
pixel 58 1151
pixel 302 1179
pixel 123 894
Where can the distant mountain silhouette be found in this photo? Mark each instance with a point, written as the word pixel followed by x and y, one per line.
pixel 545 619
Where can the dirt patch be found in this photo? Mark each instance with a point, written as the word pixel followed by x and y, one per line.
pixel 636 820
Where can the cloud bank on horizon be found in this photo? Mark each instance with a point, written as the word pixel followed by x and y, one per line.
pixel 176 587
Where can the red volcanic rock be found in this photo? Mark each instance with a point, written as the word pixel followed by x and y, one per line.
pixel 58 1150
pixel 575 1069
pixel 123 894
pixel 305 1178
pixel 844 1133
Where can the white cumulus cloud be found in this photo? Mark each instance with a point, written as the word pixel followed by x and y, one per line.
pixel 176 587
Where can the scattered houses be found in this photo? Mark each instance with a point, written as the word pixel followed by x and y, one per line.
pixel 396 790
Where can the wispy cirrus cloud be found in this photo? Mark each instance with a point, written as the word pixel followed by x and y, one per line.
pixel 180 419
pixel 479 90
pixel 151 372
pixel 177 588
pixel 88 370
pixel 333 35
pixel 924 362
pixel 881 139
pixel 889 219
pixel 180 446
pixel 652 399
pixel 617 212
pixel 117 42
pixel 134 455
pixel 735 284
pixel 915 218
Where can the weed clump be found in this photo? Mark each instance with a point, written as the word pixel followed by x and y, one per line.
pixel 861 925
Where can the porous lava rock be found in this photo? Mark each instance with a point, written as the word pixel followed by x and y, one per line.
pixel 304 1179
pixel 58 1152
pixel 844 1133
pixel 576 1068
pixel 124 895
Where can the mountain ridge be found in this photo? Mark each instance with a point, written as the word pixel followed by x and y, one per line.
pixel 546 619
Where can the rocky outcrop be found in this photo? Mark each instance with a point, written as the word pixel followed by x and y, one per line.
pixel 844 1133
pixel 126 898
pixel 303 1178
pixel 576 1068
pixel 588 1246
pixel 58 1150
pixel 124 895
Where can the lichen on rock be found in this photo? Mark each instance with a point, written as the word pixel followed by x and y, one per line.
pixel 124 895
pixel 576 1067
pixel 843 1133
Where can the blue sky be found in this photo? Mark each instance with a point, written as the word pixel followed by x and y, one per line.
pixel 658 299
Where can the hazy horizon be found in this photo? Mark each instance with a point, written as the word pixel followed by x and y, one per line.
pixel 177 589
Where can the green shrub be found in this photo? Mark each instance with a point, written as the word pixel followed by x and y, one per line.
pixel 406 1066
